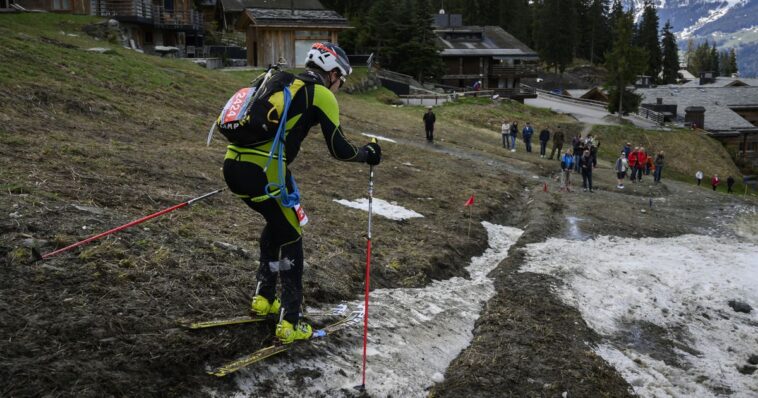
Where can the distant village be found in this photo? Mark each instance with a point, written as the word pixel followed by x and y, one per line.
pixel 258 33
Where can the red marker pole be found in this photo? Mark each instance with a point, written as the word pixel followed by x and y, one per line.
pixel 127 225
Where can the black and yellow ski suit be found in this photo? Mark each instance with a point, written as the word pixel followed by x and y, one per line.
pixel 281 240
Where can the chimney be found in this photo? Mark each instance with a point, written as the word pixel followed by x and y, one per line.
pixel 292 6
pixel 706 78
pixel 659 101
pixel 695 116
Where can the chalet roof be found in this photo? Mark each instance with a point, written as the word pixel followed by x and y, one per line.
pixel 717 102
pixel 481 41
pixel 725 82
pixel 239 5
pixel 263 17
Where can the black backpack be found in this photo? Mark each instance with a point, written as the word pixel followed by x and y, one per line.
pixel 251 116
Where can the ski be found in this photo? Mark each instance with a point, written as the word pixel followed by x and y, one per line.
pixel 338 310
pixel 231 367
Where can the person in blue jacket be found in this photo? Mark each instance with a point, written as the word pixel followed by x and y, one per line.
pixel 567 164
pixel 526 134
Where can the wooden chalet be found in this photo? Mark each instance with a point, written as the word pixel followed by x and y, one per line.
pixel 484 53
pixel 154 24
pixel 283 31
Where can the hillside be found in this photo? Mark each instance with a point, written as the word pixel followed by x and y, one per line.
pixel 90 141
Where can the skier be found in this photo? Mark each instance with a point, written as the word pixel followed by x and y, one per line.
pixel 281 246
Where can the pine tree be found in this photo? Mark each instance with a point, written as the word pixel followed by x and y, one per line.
pixel 648 39
pixel 714 60
pixel 624 62
pixel 670 62
pixel 733 61
pixel 557 34
pixel 592 35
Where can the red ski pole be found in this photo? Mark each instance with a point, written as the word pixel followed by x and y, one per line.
pixel 125 226
pixel 362 387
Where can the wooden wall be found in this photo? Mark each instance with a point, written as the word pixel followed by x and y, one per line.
pixel 267 46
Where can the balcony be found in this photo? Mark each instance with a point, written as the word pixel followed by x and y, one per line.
pixel 136 11
pixel 513 71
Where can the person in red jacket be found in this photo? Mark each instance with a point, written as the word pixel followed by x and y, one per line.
pixel 633 159
pixel 715 181
pixel 641 162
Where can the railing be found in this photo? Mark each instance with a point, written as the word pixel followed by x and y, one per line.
pixel 567 98
pixel 516 92
pixel 650 114
pixel 518 71
pixel 144 11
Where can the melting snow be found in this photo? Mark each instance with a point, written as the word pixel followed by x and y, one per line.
pixel 414 334
pixel 378 137
pixel 682 285
pixel 381 207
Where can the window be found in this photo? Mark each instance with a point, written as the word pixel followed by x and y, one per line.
pixel 61 4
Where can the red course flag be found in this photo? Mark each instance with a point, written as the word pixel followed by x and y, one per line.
pixel 470 201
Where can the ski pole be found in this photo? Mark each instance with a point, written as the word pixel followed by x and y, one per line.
pixel 362 387
pixel 38 257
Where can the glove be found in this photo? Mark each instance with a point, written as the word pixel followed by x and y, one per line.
pixel 372 153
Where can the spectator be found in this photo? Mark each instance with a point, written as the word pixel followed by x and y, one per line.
pixel 622 165
pixel 505 130
pixel 627 149
pixel 649 166
pixel 658 167
pixel 729 184
pixel 641 163
pixel 557 144
pixel 633 158
pixel 567 162
pixel 477 85
pixel 576 144
pixel 699 177
pixel 715 181
pixel 429 120
pixel 585 164
pixel 514 133
pixel 526 135
pixel 544 138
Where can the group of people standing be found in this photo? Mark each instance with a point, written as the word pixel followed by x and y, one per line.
pixel 637 162
pixel 716 181
pixel 581 157
pixel 509 132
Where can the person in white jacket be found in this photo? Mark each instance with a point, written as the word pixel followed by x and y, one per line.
pixel 622 165
pixel 699 177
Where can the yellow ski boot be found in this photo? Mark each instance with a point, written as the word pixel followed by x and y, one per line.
pixel 261 306
pixel 287 332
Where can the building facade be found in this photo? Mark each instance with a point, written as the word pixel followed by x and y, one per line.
pixel 485 54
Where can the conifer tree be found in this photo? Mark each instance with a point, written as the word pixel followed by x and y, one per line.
pixel 670 60
pixel 733 61
pixel 557 34
pixel 648 39
pixel 624 62
pixel 714 60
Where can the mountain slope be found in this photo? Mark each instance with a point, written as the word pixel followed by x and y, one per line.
pixel 730 23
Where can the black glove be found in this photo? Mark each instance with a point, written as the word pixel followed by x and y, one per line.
pixel 372 153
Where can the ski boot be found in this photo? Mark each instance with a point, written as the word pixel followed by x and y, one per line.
pixel 261 306
pixel 287 332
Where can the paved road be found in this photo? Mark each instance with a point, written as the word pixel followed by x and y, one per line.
pixel 584 113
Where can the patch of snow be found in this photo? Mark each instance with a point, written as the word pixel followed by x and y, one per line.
pixel 379 137
pixel 413 336
pixel 381 207
pixel 682 285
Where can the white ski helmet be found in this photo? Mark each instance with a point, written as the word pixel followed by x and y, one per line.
pixel 328 56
